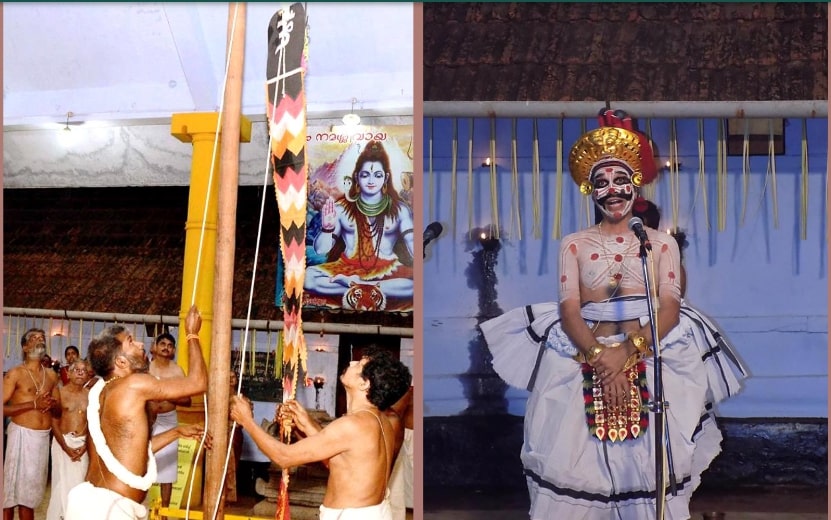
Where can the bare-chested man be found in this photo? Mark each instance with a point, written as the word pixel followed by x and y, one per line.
pixel 29 393
pixel 69 435
pixel 122 467
pixel 163 367
pixel 360 446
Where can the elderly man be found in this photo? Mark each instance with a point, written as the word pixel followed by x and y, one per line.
pixel 29 394
pixel 69 435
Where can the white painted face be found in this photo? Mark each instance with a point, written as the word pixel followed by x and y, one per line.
pixel 613 191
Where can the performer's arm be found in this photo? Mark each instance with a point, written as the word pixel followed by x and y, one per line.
pixel 573 323
pixel 668 272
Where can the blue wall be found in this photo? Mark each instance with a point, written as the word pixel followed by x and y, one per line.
pixel 762 283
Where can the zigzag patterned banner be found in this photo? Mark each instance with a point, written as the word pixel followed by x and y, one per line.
pixel 286 111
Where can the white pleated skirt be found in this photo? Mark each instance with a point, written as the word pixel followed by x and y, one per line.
pixel 573 475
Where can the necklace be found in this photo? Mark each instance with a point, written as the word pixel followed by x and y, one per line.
pixel 110 380
pixel 38 388
pixel 373 209
pixel 614 278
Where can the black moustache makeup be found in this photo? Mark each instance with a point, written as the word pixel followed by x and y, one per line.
pixel 624 196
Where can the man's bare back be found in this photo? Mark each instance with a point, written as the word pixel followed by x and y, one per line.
pixel 359 475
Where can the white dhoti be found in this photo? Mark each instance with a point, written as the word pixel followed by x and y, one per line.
pixel 401 480
pixel 87 502
pixel 66 474
pixel 572 474
pixel 381 511
pixel 25 467
pixel 167 458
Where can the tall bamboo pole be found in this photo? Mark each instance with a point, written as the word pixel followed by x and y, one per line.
pixel 220 365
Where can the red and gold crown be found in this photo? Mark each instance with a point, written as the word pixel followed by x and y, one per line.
pixel 615 141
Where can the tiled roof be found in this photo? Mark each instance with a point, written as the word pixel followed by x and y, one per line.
pixel 597 51
pixel 121 250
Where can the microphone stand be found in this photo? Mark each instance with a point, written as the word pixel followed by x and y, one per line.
pixel 657 405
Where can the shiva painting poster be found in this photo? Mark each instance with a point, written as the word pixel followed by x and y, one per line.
pixel 359 238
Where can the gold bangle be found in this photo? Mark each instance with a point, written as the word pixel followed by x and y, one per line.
pixel 639 342
pixel 632 361
pixel 594 353
pixel 191 336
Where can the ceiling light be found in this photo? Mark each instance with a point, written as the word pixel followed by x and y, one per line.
pixel 352 119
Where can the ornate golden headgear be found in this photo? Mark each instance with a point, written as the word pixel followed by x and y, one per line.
pixel 615 140
pixel 614 144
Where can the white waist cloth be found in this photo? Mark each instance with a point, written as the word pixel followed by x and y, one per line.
pixel 380 511
pixel 167 458
pixel 66 474
pixel 401 480
pixel 571 474
pixel 25 466
pixel 87 502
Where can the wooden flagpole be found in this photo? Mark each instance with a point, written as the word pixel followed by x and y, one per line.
pixel 220 362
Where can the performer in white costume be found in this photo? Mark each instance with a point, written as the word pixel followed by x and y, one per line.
pixel 588 450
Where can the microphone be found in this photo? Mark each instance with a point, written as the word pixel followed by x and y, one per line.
pixel 636 225
pixel 431 233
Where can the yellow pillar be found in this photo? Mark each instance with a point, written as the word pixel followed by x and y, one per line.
pixel 200 129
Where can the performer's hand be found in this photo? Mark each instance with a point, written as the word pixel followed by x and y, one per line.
pixel 193 321
pixel 328 216
pixel 242 411
pixel 616 391
pixel 610 363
